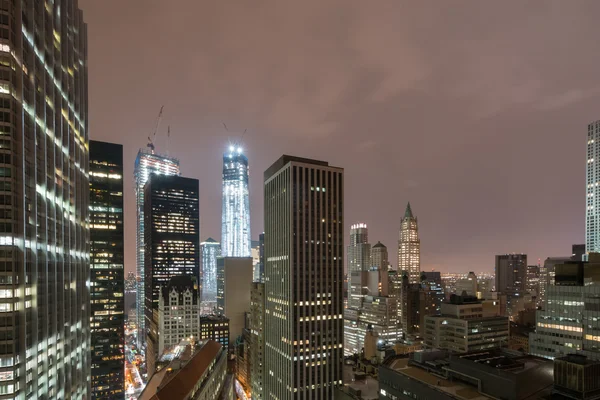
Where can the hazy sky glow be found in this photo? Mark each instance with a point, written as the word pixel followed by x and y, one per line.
pixel 475 111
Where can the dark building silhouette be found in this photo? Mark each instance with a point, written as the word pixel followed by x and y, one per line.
pixel 107 289
pixel 172 241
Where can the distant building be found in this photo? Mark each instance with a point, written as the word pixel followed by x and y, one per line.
pixel 467 285
pixel 189 372
pixel 569 319
pixel 482 375
pixel 467 324
pixel 172 224
pixel 379 257
pixel 235 223
pixel 359 260
pixel 107 257
pixel 511 279
pixel 409 247
pixel 146 164
pixel 255 251
pixel 304 275
pixel 215 327
pixel 532 282
pixel 234 281
pixel 210 249
pixel 178 314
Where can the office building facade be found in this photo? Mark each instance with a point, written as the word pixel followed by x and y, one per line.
pixel 409 247
pixel 44 202
pixel 235 225
pixel 147 163
pixel 215 327
pixel 304 276
pixel 107 253
pixel 257 338
pixel 210 250
pixel 172 224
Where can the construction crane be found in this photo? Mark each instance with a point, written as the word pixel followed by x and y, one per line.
pixel 151 138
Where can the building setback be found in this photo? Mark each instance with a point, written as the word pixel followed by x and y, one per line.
pixel 147 163
pixel 304 272
pixel 107 270
pixel 235 223
pixel 44 201
pixel 172 240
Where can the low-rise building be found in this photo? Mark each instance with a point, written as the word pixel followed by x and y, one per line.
pixel 577 377
pixel 191 372
pixel 215 327
pixel 493 374
pixel 467 324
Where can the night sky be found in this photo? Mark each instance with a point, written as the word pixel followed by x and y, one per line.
pixel 474 111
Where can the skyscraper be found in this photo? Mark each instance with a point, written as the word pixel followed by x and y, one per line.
pixel 511 280
pixel 146 164
pixel 359 260
pixel 379 256
pixel 304 272
pixel 235 227
pixel 592 218
pixel 44 202
pixel 210 250
pixel 409 247
pixel 107 270
pixel 171 213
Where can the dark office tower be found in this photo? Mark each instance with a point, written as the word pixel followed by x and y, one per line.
pixel 107 287
pixel 511 273
pixel 148 162
pixel 44 200
pixel 304 273
pixel 171 223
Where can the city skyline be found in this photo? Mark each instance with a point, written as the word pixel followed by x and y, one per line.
pixel 479 158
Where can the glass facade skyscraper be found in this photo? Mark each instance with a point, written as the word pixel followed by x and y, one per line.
pixel 235 227
pixel 44 200
pixel 107 273
pixel 210 249
pixel 172 243
pixel 146 164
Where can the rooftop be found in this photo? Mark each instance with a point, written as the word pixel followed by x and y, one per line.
pixel 174 382
pixel 457 389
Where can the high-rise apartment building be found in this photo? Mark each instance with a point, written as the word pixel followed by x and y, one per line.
pixel 235 225
pixel 172 225
pixel 359 260
pixel 304 272
pixel 210 250
pixel 409 247
pixel 44 202
pixel 107 255
pixel 146 164
pixel 592 214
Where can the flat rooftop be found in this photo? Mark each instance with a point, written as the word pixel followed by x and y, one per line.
pixel 457 389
